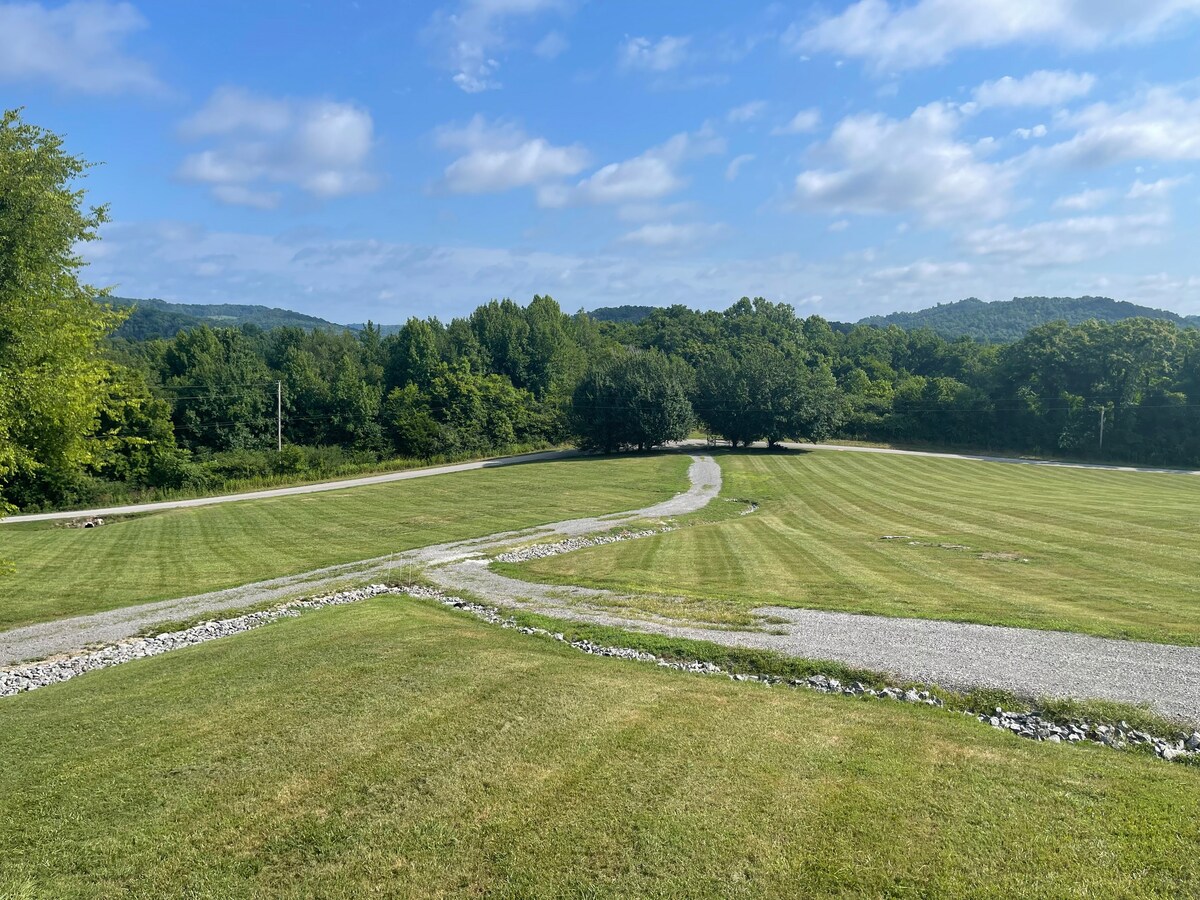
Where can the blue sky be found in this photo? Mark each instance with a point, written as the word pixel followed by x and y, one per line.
pixel 381 160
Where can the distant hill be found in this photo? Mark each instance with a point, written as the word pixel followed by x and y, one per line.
pixel 624 315
pixel 1009 320
pixel 159 318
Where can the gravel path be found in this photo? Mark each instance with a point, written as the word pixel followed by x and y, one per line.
pixel 538 457
pixel 52 638
pixel 955 655
pixel 950 654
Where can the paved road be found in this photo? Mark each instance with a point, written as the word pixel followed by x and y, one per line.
pixel 544 456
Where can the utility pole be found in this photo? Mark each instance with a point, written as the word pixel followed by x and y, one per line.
pixel 279 414
pixel 1103 410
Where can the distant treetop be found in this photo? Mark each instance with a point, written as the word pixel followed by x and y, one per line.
pixel 628 315
pixel 1004 321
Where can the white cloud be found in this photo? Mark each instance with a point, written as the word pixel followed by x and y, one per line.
pixel 747 112
pixel 839 225
pixel 920 272
pixel 805 121
pixel 669 234
pixel 240 195
pixel 1160 123
pixel 552 46
pixel 77 47
pixel 1155 190
pixel 322 147
pixel 883 165
pixel 896 35
pixel 1084 200
pixel 475 31
pixel 499 157
pixel 1063 242
pixel 667 53
pixel 1042 88
pixel 1025 134
pixel 735 165
pixel 649 176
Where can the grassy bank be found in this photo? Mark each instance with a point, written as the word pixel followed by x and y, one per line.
pixel 402 749
pixel 1106 553
pixel 68 571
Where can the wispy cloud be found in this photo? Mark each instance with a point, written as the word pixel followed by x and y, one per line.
pixel 1042 88
pixel 78 47
pixel 905 35
pixel 661 55
pixel 918 164
pixel 471 34
pixel 259 144
pixel 648 176
pixel 501 156
pixel 803 122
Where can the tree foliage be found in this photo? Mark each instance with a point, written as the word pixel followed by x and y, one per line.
pixel 632 400
pixel 52 370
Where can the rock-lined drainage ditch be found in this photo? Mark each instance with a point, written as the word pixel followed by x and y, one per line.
pixel 1029 725
pixel 543 551
pixel 30 676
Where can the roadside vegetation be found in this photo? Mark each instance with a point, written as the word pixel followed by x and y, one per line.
pixel 403 749
pixel 1104 553
pixel 61 571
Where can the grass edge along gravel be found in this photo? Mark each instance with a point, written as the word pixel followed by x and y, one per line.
pixel 748 661
pixel 1103 722
pixel 844 530
pixel 63 573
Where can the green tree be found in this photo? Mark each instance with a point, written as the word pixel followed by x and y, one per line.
pixel 52 370
pixel 223 389
pixel 632 400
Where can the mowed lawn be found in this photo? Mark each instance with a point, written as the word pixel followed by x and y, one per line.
pixel 400 749
pixel 68 571
pixel 1108 553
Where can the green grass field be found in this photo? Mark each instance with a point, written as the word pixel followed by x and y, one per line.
pixel 1109 553
pixel 68 571
pixel 397 749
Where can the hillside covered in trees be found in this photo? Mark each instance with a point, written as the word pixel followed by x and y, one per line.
pixel 198 409
pixel 161 319
pixel 1002 321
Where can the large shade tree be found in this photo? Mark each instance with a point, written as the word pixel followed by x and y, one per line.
pixel 52 371
pixel 632 400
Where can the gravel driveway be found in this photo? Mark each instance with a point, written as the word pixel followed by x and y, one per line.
pixel 951 654
pixel 1043 663
pixel 52 638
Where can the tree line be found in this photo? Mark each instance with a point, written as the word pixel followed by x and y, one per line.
pixel 85 415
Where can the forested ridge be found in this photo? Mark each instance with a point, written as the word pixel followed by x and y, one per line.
pixel 200 408
pixel 1003 321
pixel 152 318
pixel 87 414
